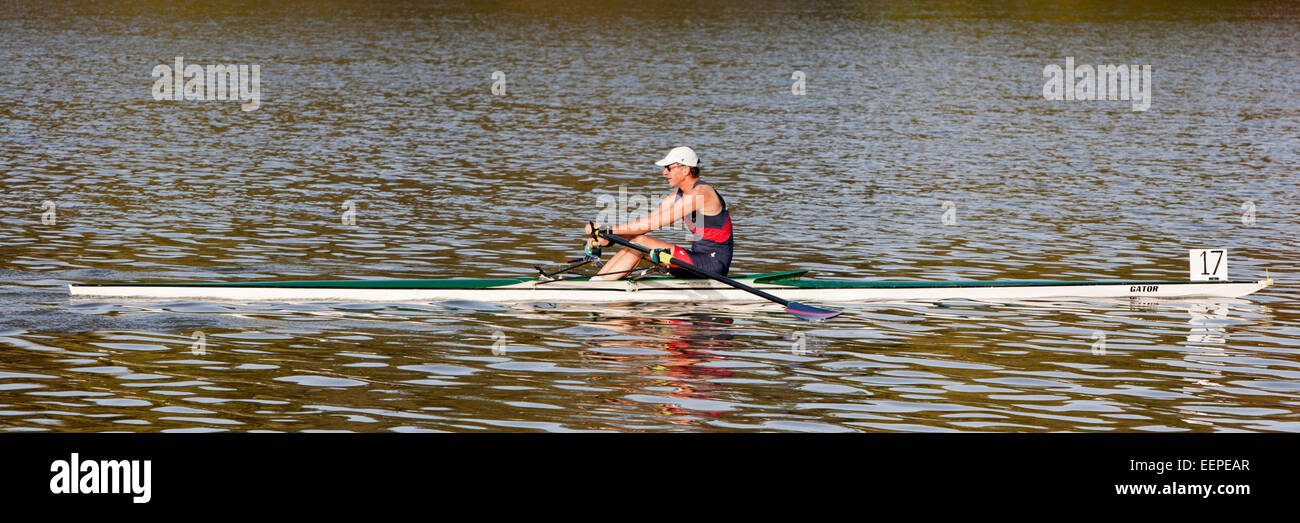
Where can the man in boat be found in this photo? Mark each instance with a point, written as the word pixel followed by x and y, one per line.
pixel 697 203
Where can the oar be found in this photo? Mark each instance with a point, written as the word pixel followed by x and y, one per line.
pixel 795 308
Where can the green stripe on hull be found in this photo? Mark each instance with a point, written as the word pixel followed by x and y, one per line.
pixel 339 284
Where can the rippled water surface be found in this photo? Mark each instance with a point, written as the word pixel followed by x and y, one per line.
pixel 390 106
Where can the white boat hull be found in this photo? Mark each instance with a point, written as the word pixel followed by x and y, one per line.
pixel 681 291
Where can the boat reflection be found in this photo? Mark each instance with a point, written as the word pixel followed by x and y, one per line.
pixel 1207 320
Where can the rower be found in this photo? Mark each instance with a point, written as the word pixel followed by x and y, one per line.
pixel 696 203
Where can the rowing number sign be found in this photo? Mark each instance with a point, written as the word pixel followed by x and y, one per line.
pixel 1208 264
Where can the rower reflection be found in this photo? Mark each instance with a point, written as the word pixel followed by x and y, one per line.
pixel 680 368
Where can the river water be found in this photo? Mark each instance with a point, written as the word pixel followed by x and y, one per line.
pixel 857 140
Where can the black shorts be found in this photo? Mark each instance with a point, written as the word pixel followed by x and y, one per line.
pixel 713 261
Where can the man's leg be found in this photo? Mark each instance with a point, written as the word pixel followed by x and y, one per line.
pixel 627 258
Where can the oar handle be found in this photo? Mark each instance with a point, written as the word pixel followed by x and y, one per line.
pixel 592 248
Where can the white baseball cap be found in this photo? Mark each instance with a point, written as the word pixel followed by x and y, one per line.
pixel 682 155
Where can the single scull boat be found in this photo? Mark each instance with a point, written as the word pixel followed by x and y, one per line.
pixel 789 285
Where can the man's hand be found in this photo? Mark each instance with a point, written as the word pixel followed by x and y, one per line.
pixel 593 241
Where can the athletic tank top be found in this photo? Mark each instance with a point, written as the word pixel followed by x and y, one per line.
pixel 714 232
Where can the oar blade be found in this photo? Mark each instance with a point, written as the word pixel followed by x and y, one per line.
pixel 809 312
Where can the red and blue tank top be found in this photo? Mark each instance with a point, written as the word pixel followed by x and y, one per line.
pixel 713 243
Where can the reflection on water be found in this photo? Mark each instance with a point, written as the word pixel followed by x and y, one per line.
pixel 910 367
pixel 676 354
pixel 1207 323
pixel 920 149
